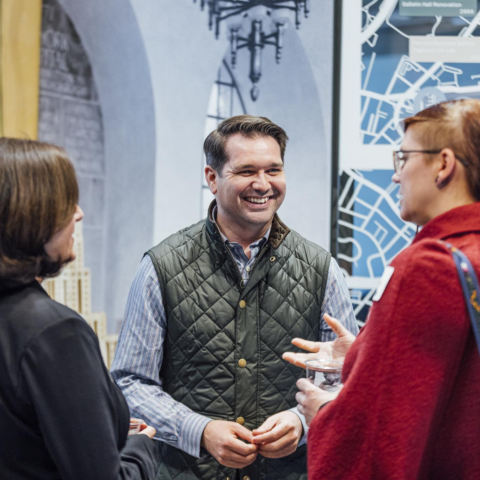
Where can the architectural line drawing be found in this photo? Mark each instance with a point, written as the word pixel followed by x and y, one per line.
pixel 378 233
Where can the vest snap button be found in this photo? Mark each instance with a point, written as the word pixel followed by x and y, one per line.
pixel 272 259
pixel 240 420
pixel 242 363
pixel 242 304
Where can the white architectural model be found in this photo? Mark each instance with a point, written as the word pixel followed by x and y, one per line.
pixel 72 288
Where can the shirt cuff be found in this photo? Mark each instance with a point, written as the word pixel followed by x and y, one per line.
pixel 303 440
pixel 191 433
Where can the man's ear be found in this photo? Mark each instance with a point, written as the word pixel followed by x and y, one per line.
pixel 447 168
pixel 211 177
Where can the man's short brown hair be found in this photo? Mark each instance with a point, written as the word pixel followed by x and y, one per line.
pixel 248 126
pixel 38 197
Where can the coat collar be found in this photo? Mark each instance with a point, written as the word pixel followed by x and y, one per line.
pixel 278 230
pixel 32 285
pixel 459 220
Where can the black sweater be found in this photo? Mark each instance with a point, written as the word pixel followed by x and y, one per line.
pixel 61 415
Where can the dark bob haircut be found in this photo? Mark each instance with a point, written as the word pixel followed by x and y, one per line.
pixel 248 126
pixel 38 197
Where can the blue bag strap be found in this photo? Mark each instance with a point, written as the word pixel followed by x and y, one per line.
pixel 471 290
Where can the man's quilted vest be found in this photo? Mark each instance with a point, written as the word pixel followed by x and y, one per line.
pixel 224 341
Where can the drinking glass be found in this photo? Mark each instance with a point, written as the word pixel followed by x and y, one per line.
pixel 325 373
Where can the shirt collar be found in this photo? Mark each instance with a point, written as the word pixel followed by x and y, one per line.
pixel 225 239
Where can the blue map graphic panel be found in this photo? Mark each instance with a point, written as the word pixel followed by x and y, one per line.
pixel 393 86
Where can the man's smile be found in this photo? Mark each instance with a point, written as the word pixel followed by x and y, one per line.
pixel 257 200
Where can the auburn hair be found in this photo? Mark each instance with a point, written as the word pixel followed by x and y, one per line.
pixel 454 124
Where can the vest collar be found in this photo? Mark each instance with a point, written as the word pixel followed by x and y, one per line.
pixel 278 230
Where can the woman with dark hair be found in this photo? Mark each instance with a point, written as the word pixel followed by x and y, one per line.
pixel 61 415
pixel 410 405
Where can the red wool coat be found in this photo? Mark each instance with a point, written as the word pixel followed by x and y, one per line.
pixel 410 407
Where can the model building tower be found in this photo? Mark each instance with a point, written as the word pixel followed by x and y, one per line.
pixel 72 288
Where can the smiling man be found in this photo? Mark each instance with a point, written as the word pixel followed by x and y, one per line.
pixel 210 312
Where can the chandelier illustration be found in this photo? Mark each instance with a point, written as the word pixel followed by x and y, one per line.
pixel 258 25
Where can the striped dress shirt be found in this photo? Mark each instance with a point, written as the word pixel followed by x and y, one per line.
pixel 139 355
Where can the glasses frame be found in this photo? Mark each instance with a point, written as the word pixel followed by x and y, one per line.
pixel 399 158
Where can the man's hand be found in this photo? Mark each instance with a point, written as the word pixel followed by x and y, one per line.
pixel 138 426
pixel 222 440
pixel 279 435
pixel 310 398
pixel 337 349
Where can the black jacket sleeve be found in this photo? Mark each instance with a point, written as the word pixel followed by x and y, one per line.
pixel 82 414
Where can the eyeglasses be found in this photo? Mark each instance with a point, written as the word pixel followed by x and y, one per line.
pixel 400 157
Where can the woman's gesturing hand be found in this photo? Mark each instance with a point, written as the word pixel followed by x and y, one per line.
pixel 336 350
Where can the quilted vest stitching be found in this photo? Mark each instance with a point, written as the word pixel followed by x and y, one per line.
pixel 208 333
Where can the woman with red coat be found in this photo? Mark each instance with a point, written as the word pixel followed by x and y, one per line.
pixel 410 405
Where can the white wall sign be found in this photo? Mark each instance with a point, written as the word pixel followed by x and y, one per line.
pixel 445 8
pixel 444 49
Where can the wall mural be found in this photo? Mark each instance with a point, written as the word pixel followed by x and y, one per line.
pixel 406 57
pixel 69 108
pixel 70 116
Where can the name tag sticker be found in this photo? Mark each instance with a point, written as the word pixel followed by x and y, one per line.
pixel 387 275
